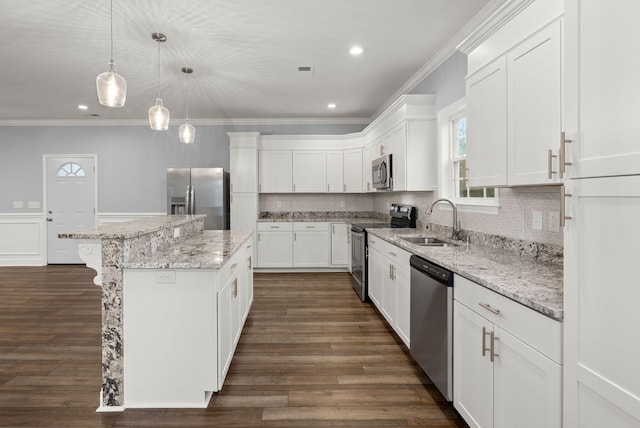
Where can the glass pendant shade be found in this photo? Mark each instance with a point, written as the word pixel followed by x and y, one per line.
pixel 159 116
pixel 111 87
pixel 187 133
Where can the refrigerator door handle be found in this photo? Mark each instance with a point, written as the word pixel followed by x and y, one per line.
pixel 187 201
pixel 192 201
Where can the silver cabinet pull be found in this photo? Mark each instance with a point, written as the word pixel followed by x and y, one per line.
pixel 233 266
pixel 235 288
pixel 550 170
pixel 489 308
pixel 344 187
pixel 562 163
pixel 328 187
pixel 493 341
pixel 49 219
pixel 249 263
pixel 392 254
pixel 484 341
pixel 563 209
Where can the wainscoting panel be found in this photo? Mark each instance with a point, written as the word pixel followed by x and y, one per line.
pixel 22 239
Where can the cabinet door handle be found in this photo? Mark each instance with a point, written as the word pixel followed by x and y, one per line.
pixel 562 153
pixel 328 187
pixel 233 266
pixel 493 341
pixel 249 263
pixel 258 236
pixel 294 187
pixel 484 341
pixel 490 308
pixel 344 187
pixel 550 170
pixel 235 288
pixel 294 236
pixel 392 254
pixel 259 187
pixel 563 209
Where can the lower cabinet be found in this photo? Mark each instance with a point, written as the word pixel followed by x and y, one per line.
pixel 305 244
pixel 310 244
pixel 181 329
pixel 275 249
pixel 389 284
pixel 340 244
pixel 506 368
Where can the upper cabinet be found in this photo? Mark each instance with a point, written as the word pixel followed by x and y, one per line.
pixel 275 171
pixel 602 80
pixel 487 125
pixel 514 100
pixel 342 163
pixel 309 171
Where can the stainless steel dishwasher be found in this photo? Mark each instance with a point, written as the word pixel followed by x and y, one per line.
pixel 432 322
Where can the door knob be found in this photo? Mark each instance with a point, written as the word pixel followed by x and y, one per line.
pixel 50 212
pixel 49 219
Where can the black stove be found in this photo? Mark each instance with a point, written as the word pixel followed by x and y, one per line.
pixel 402 216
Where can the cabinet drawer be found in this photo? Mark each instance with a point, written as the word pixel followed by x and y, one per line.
pixel 537 330
pixel 266 226
pixel 229 269
pixel 310 225
pixel 392 252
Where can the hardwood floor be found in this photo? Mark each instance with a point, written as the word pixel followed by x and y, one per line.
pixel 311 355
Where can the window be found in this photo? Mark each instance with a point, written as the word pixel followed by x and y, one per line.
pixel 70 169
pixel 452 124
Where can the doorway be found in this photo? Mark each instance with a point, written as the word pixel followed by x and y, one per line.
pixel 70 188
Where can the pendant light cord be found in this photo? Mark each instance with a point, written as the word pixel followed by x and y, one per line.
pixel 111 30
pixel 158 69
pixel 187 102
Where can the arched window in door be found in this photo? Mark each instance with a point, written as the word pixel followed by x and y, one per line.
pixel 70 169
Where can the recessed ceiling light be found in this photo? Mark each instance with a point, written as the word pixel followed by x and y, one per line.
pixel 83 107
pixel 356 50
pixel 331 105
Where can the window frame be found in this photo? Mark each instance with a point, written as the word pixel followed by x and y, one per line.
pixel 446 134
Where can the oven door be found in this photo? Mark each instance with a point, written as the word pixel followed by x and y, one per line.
pixel 358 263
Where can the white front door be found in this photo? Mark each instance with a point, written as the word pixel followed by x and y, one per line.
pixel 70 203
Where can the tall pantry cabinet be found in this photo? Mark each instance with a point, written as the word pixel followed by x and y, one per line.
pixel 602 209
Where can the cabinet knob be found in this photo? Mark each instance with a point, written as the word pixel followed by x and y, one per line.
pixel 49 219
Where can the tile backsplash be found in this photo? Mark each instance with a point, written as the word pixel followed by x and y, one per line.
pixel 512 219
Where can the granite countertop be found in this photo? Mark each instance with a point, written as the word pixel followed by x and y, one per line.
pixel 210 249
pixel 535 284
pixel 350 220
pixel 131 229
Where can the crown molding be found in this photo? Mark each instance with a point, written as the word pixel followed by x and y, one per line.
pixel 445 52
pixel 505 12
pixel 202 122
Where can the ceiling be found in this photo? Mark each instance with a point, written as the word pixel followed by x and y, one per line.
pixel 245 55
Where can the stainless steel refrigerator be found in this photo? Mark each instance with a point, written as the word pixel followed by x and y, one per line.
pixel 200 191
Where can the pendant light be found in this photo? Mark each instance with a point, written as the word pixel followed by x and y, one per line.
pixel 187 132
pixel 159 114
pixel 111 87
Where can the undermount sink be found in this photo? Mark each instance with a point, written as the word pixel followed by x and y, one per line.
pixel 425 241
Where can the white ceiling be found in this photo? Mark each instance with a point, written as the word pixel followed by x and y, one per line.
pixel 245 55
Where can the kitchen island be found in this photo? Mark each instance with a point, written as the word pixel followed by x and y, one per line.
pixel 150 270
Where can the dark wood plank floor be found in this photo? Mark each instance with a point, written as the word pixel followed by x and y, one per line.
pixel 311 355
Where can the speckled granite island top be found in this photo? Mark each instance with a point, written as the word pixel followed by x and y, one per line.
pixel 537 285
pixel 209 250
pixel 131 229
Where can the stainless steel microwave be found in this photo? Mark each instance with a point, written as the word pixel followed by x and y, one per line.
pixel 381 173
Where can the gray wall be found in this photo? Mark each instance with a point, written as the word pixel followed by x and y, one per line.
pixel 132 160
pixel 446 82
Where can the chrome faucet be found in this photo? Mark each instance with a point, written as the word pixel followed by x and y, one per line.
pixel 455 232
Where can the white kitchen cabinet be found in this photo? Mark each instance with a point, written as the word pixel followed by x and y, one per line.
pixel 534 99
pixel 311 244
pixel 601 295
pixel 249 257
pixel 486 97
pixel 506 373
pixel 309 171
pixel 601 86
pixel 275 244
pixel 243 166
pixel 389 280
pixel 367 186
pixel 340 244
pixel 352 170
pixel 335 171
pixel 375 272
pixel 244 211
pixel 275 171
pixel 193 318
